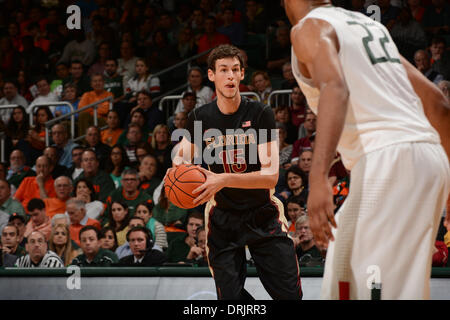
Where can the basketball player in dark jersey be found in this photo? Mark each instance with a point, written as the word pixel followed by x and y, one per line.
pixel 239 145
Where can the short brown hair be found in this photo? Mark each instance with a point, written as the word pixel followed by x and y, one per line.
pixel 224 51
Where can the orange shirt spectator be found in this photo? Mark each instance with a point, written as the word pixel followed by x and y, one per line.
pixel 91 97
pixel 54 206
pixel 110 137
pixel 29 189
pixel 75 228
pixel 45 228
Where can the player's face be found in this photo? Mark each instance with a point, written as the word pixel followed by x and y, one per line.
pixel 226 77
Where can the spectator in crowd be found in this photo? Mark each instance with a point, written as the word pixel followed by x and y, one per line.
pixel 279 51
pixel 93 255
pixel 152 116
pixel 53 153
pixel 61 244
pixel 197 254
pixel 305 244
pixel 17 170
pixel 416 9
pixel 78 78
pixel 161 54
pixel 188 103
pixel 118 218
pixel 103 53
pixel 68 95
pixel 101 181
pixel 289 81
pixel 148 169
pixel 210 39
pixel 113 80
pixel 254 19
pixel 79 48
pixel 60 218
pixel 127 61
pixel 62 72
pixel 39 220
pixel 284 147
pixel 295 207
pixel 75 169
pixel 7 204
pixel 144 211
pixel 298 107
pixel 437 48
pixel 38 254
pixel 142 81
pixel 178 121
pixel 198 23
pixel 186 45
pixel 112 133
pixel 129 193
pixel 17 131
pixel 389 13
pixel 142 149
pixel 125 250
pixel 19 221
pixel 93 142
pixel 116 164
pixel 9 58
pixel 422 62
pixel 305 142
pixel 436 18
pixel 180 247
pixel 32 59
pixel 9 242
pixel 63 189
pixel 61 140
pixel 45 95
pixel 10 96
pixel 282 115
pixel 29 187
pixel 98 93
pixel 297 183
pixel 76 210
pixel 262 86
pixel 39 38
pixel 23 83
pixel 204 94
pixel 108 239
pixel 305 160
pixel 141 246
pixel 233 30
pixel 162 148
pixel 84 190
pixel 134 137
pixel 36 136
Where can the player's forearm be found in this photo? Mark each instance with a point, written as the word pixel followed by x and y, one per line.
pixel 250 180
pixel 332 110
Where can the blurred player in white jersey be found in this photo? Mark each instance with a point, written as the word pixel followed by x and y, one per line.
pixel 392 127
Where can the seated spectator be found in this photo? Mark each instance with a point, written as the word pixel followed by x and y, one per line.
pixel 39 221
pixel 142 149
pixel 61 244
pixel 78 78
pixel 125 250
pixel 297 183
pixel 186 45
pixel 79 49
pixel 38 254
pixel 285 148
pixel 282 115
pixel 113 132
pixel 389 13
pixel 180 247
pixel 84 190
pixel 45 95
pixel 129 193
pixel 305 160
pixel 32 59
pixel 298 107
pixel 118 218
pixel 53 153
pixel 188 103
pixel 305 245
pixel 178 121
pixel 75 169
pixel 203 93
pixel 17 132
pixel 10 96
pixel 76 210
pixel 9 242
pixel 98 93
pixel 63 189
pixel 305 142
pixel 262 86
pixel 61 218
pixel 117 162
pixel 103 53
pixel 210 39
pixel 56 86
pixel 162 148
pixel 437 50
pixel 108 239
pixel 296 207
pixel 19 221
pixel 36 136
pixel 113 80
pixel 416 9
pixel 134 136
pixel 422 62
pixel 233 30
pixel 61 140
pixel 127 61
pixel 279 51
pixel 152 116
pixel 18 170
pixel 68 95
pixel 7 204
pixel 29 187
pixel 141 245
pixel 148 169
pixel 93 142
pixel 436 18
pixel 102 182
pixel 142 81
pixel 197 254
pixel 289 81
pixel 255 17
pixel 144 211
pixel 93 255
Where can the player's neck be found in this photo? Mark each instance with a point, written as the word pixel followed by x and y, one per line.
pixel 228 105
pixel 304 7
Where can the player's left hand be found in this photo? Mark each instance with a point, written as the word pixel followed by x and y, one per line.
pixel 213 184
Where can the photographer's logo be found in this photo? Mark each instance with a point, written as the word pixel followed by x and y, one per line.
pixel 74 20
pixel 74 281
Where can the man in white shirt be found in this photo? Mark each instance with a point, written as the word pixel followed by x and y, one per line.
pixel 45 95
pixel 10 97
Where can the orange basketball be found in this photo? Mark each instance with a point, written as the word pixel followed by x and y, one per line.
pixel 180 182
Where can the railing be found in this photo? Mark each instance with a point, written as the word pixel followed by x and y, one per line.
pixel 277 94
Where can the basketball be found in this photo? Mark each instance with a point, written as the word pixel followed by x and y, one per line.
pixel 180 182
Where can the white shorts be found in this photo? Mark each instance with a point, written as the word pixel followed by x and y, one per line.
pixel 388 223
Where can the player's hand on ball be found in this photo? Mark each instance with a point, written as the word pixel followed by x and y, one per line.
pixel 320 211
pixel 213 184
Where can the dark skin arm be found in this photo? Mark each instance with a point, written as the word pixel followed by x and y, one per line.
pixel 316 48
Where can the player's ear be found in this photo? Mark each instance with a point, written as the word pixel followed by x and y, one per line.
pixel 211 75
pixel 242 73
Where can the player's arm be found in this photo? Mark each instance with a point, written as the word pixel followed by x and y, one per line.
pixel 266 178
pixel 435 104
pixel 316 47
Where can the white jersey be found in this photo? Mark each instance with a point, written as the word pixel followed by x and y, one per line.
pixel 383 108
